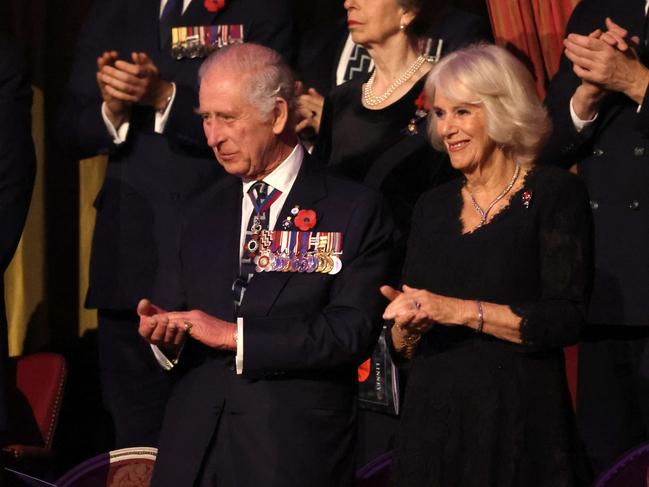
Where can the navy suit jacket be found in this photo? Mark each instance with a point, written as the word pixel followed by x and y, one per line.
pixel 290 415
pixel 613 157
pixel 17 171
pixel 150 176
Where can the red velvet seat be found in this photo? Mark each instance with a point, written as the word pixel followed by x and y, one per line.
pixel 128 467
pixel 571 355
pixel 35 393
pixel 376 473
pixel 630 470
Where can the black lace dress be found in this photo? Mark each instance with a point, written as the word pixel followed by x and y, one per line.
pixel 480 411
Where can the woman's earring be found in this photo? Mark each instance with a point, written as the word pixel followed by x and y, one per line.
pixel 402 26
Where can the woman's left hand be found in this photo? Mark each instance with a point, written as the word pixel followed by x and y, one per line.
pixel 416 310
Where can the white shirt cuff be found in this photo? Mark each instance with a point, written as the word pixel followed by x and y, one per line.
pixel 162 117
pixel 118 135
pixel 162 359
pixel 578 122
pixel 238 360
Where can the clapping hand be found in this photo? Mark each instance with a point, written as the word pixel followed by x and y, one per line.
pixel 309 107
pixel 605 62
pixel 123 84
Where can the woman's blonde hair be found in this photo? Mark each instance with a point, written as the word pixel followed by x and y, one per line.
pixel 491 76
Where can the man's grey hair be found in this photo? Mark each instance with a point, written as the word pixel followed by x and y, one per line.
pixel 265 75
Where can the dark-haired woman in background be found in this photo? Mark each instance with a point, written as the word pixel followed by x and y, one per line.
pixel 498 271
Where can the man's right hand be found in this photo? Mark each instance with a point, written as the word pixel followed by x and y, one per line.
pixel 156 329
pixel 124 83
pixel 116 107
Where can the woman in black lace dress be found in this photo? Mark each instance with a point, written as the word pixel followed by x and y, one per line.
pixel 497 271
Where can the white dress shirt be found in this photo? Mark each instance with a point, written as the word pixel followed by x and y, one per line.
pixel 282 178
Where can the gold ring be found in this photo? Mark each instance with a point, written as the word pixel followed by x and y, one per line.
pixel 188 326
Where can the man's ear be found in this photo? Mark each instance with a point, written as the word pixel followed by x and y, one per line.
pixel 280 115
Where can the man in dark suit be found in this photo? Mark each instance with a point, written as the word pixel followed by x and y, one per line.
pixel 17 171
pixel 130 98
pixel 600 107
pixel 273 403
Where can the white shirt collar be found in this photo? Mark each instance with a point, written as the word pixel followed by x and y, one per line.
pixel 284 175
pixel 164 2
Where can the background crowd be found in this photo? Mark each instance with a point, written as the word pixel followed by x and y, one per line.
pixel 136 110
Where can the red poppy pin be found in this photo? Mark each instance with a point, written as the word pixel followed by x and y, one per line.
pixel 423 107
pixel 422 102
pixel 214 5
pixel 305 220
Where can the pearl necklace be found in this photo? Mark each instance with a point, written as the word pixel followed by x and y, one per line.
pixel 371 99
pixel 484 213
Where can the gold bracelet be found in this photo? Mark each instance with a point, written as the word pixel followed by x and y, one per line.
pixel 480 317
pixel 411 338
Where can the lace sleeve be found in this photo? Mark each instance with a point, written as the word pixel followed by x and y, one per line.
pixel 565 256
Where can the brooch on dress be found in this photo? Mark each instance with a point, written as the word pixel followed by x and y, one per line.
pixel 526 198
pixel 423 107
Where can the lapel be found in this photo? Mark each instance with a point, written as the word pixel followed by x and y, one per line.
pixel 264 288
pixel 145 15
pixel 227 227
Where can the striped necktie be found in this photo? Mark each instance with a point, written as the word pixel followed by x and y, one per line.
pixel 262 196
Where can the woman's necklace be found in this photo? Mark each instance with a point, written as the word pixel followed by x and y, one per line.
pixel 484 213
pixel 371 99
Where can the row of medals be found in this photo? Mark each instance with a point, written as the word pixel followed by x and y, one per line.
pixel 322 260
pixel 204 40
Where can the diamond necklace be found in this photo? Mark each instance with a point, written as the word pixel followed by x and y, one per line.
pixel 484 213
pixel 371 99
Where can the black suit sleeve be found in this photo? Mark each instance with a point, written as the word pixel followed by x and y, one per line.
pixel 17 159
pixel 565 146
pixel 347 327
pixel 80 123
